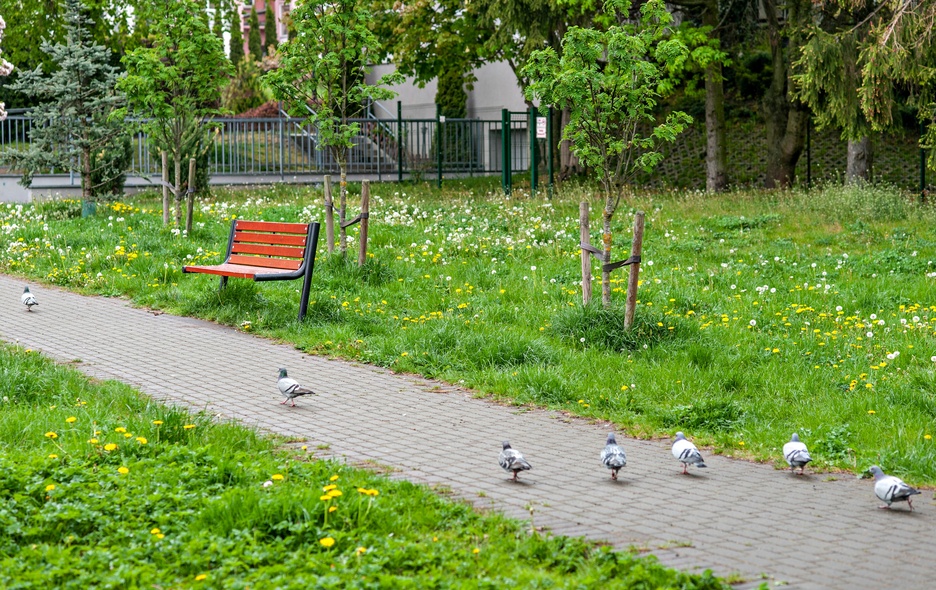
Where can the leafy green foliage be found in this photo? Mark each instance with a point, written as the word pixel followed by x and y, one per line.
pixel 142 491
pixel 254 43
pixel 244 91
pixel 73 127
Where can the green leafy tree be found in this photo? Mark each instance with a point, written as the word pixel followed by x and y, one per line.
pixel 237 38
pixel 175 85
pixel 217 22
pixel 269 27
pixel 322 70
pixel 72 130
pixel 609 80
pixel 254 43
pixel 245 90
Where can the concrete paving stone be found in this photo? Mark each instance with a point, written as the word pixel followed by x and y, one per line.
pixel 815 531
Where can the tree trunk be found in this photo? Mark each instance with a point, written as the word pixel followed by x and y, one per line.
pixel 86 174
pixel 716 167
pixel 165 188
pixel 860 161
pixel 568 163
pixel 606 216
pixel 190 197
pixel 785 119
pixel 343 204
pixel 177 189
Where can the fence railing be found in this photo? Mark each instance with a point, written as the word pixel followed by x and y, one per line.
pixel 286 146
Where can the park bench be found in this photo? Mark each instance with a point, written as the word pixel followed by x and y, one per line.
pixel 268 251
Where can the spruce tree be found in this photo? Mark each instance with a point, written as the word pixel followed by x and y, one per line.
pixel 237 38
pixel 71 130
pixel 270 27
pixel 217 26
pixel 254 44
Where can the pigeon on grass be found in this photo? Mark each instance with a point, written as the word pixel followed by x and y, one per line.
pixel 511 460
pixel 28 299
pixel 891 489
pixel 612 456
pixel 796 454
pixel 290 388
pixel 687 453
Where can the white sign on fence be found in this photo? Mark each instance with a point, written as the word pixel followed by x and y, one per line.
pixel 541 128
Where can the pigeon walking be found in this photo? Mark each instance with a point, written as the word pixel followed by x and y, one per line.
pixel 511 460
pixel 687 453
pixel 28 299
pixel 891 489
pixel 796 454
pixel 290 388
pixel 612 456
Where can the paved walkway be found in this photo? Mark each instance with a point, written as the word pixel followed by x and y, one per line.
pixel 735 517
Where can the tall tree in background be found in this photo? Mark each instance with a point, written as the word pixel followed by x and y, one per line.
pixel 175 85
pixel 269 28
pixel 254 44
pixel 786 116
pixel 609 79
pixel 72 129
pixel 237 37
pixel 217 22
pixel 323 67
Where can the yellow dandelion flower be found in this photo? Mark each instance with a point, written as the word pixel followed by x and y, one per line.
pixel 325 498
pixel 50 487
pixel 51 435
pixel 326 542
pixel 332 508
pixel 927 437
pixel 189 426
pixel 276 477
pixel 160 536
pixel 157 422
pixel 142 440
pixel 128 435
pixel 53 456
pixel 201 577
pixel 123 470
pixel 476 551
pixel 335 493
pixel 120 429
pixel 361 550
pixel 93 441
pixel 155 531
pixel 872 412
pixel 110 447
pixel 71 419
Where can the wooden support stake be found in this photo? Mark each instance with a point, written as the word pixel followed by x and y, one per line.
pixel 165 178
pixel 586 256
pixel 634 271
pixel 329 215
pixel 365 214
pixel 190 196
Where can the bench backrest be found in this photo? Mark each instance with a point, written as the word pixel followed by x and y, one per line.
pixel 268 244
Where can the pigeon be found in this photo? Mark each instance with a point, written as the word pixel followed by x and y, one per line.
pixel 512 460
pixel 891 489
pixel 796 454
pixel 687 453
pixel 28 299
pixel 613 456
pixel 290 388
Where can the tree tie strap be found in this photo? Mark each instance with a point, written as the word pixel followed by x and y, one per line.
pixel 616 265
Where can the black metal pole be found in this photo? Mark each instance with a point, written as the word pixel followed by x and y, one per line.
pixel 922 166
pixel 399 140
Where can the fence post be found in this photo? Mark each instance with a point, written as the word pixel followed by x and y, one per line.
pixel 281 139
pixel 439 144
pixel 399 140
pixel 549 149
pixel 531 123
pixel 365 216
pixel 922 166
pixel 165 186
pixel 634 270
pixel 584 237
pixel 329 215
pixel 505 151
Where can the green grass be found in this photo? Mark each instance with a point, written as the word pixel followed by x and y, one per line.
pixel 100 487
pixel 753 322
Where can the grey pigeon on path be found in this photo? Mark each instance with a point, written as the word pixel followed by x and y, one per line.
pixel 612 456
pixel 687 453
pixel 511 460
pixel 796 454
pixel 290 388
pixel 891 489
pixel 28 299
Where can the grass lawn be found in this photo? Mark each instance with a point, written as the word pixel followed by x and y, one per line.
pixel 760 313
pixel 100 487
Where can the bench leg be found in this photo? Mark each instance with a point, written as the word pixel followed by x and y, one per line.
pixel 311 247
pixel 223 283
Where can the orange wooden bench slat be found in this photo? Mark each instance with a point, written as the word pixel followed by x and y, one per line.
pixel 237 271
pixel 265 250
pixel 284 239
pixel 273 226
pixel 262 261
